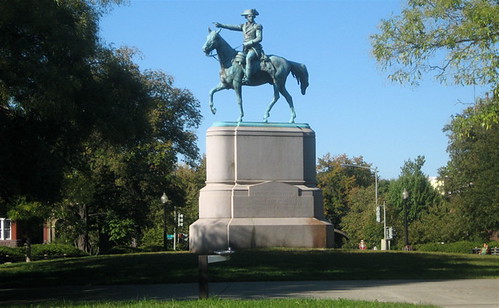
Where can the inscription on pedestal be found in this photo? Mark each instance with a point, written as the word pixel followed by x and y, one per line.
pixel 272 199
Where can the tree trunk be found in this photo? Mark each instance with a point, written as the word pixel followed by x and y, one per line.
pixel 83 241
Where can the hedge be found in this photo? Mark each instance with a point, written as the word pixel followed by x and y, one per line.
pixel 456 247
pixel 38 252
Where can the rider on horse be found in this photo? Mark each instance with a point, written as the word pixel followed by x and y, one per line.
pixel 252 33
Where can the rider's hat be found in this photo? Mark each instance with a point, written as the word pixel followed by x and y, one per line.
pixel 250 12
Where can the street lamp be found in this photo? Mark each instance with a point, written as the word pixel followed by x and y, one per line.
pixel 164 200
pixel 405 195
pixel 384 241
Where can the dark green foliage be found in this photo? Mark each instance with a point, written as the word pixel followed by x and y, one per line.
pixel 421 195
pixel 420 198
pixel 457 247
pixel 81 126
pixel 44 92
pixel 360 221
pixel 471 177
pixel 9 254
pixel 41 251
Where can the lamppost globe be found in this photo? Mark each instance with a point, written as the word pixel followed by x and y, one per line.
pixel 164 198
pixel 405 195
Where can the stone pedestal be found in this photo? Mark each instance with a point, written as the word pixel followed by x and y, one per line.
pixel 260 189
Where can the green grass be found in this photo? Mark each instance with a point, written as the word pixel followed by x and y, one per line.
pixel 256 265
pixel 223 303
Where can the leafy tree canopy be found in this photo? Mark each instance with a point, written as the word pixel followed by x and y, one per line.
pixel 336 177
pixel 456 38
pixel 421 194
pixel 79 122
pixel 471 177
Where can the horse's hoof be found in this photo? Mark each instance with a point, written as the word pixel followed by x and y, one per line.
pixel 214 110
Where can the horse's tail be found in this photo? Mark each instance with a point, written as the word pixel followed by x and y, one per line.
pixel 299 71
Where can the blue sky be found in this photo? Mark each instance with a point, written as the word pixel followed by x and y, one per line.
pixel 350 103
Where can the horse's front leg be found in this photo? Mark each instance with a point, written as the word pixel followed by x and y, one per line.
pixel 239 97
pixel 219 87
pixel 269 108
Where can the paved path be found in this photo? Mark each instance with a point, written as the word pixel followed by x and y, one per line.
pixel 443 293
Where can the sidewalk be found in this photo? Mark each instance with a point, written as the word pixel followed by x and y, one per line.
pixel 443 293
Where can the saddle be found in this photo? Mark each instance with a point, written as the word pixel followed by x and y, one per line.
pixel 264 62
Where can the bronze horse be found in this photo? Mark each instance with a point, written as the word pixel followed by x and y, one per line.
pixel 232 72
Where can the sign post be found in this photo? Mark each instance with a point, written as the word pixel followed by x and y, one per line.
pixel 203 261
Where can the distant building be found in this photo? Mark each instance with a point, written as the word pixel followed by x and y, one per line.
pixel 12 235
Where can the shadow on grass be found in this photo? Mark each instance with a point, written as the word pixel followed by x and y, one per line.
pixel 352 265
pixel 254 265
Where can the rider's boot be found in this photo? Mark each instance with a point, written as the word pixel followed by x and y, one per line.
pixel 247 73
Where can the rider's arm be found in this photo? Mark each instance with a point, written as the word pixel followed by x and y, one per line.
pixel 230 27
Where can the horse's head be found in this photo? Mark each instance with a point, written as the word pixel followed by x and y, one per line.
pixel 211 41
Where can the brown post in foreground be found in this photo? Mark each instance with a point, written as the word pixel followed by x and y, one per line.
pixel 203 276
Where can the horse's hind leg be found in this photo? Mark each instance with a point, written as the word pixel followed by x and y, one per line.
pixel 289 99
pixel 276 97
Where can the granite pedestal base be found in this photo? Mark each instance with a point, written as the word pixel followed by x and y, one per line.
pixel 260 190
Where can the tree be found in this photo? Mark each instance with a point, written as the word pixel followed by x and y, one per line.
pixel 336 180
pixel 471 177
pixel 80 124
pixel 457 39
pixel 129 178
pixel 442 222
pixel 421 194
pixel 42 69
pixel 360 220
pixel 188 180
pixel 58 86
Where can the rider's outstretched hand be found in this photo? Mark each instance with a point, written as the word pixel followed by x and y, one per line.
pixel 218 25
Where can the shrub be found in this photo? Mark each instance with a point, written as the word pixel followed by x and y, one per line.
pixel 152 248
pixel 152 237
pixel 456 247
pixel 118 250
pixel 40 251
pixel 9 254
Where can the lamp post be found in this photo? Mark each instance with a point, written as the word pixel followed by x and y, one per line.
pixel 164 200
pixel 375 171
pixel 405 195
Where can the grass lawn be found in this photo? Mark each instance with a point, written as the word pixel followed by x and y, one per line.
pixel 223 303
pixel 256 265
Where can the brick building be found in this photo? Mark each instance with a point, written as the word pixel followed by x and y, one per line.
pixel 12 235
